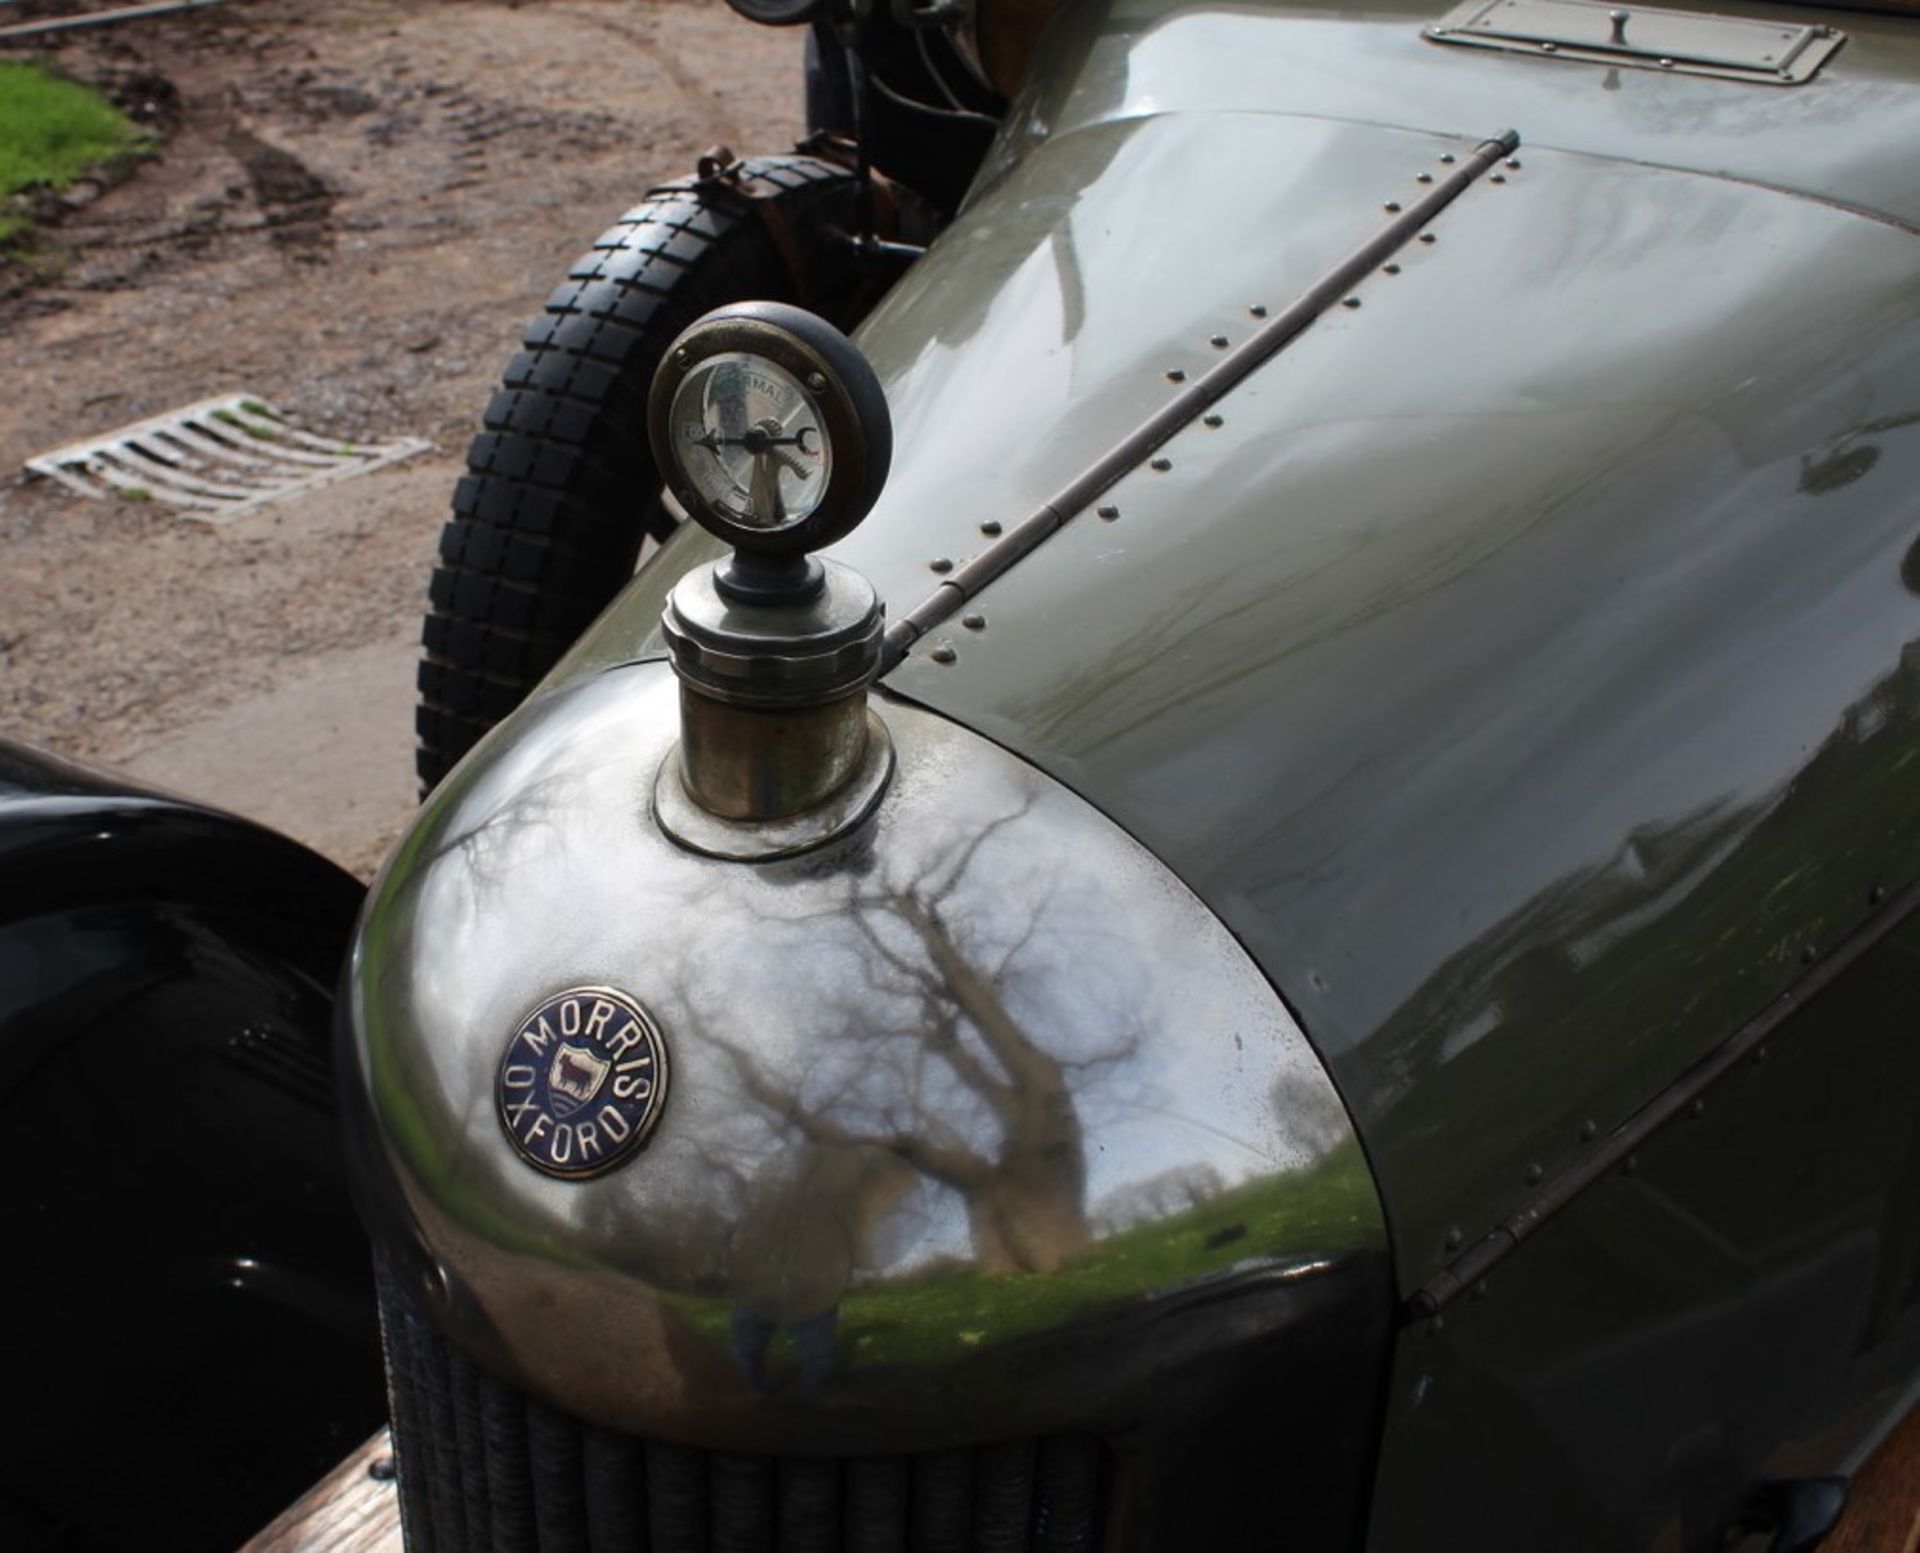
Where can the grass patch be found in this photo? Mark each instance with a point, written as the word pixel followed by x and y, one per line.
pixel 51 131
pixel 948 1315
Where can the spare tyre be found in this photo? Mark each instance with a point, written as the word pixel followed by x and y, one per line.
pixel 560 488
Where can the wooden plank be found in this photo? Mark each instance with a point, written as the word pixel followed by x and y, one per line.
pixel 1883 1505
pixel 347 1511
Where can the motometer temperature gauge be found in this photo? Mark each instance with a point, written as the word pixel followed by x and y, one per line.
pixel 771 431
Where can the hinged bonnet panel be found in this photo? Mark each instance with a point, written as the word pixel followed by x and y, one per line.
pixel 1689 42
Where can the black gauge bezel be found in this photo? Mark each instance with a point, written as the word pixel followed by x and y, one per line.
pixel 853 414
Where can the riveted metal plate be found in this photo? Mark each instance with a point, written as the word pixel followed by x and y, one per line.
pixel 1683 42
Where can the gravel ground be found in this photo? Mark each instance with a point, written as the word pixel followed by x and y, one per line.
pixel 358 206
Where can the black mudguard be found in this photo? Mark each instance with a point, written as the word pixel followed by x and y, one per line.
pixel 189 1311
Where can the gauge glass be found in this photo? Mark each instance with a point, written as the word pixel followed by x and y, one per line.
pixel 751 441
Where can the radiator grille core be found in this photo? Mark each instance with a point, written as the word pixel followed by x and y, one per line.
pixel 486 1469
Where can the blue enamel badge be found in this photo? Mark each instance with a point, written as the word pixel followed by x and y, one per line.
pixel 582 1082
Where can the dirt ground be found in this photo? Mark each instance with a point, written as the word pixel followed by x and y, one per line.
pixel 358 206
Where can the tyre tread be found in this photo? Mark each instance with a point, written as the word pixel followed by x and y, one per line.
pixel 558 490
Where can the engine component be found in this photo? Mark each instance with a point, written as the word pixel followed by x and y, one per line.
pixel 773 434
pixel 982 1129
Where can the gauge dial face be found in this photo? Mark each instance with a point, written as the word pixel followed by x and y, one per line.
pixel 751 441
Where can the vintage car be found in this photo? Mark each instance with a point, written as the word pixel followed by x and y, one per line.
pixel 1251 883
pixel 192 1336
pixel 1334 966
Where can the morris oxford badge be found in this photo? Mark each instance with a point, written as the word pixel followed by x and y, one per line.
pixel 582 1082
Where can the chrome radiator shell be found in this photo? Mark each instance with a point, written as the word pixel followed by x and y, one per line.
pixel 982 1079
